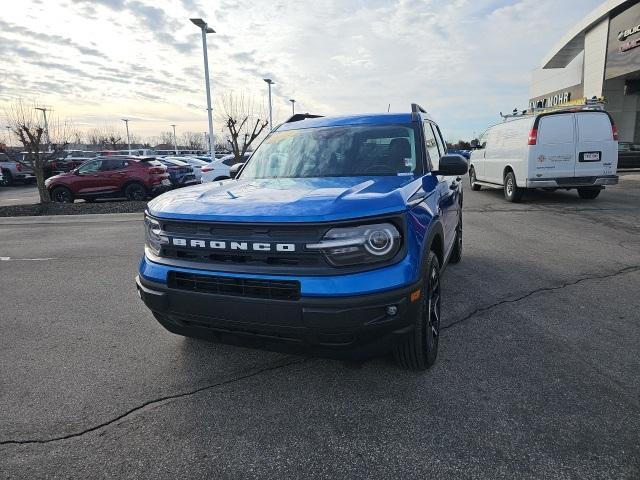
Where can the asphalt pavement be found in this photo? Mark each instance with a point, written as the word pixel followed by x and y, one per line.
pixel 538 374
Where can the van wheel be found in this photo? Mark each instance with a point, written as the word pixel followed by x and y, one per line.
pixel 512 192
pixel 588 193
pixel 456 254
pixel 62 195
pixel 420 349
pixel 472 181
pixel 135 192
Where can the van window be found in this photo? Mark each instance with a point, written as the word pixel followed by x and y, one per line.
pixel 555 129
pixel 594 127
pixel 432 146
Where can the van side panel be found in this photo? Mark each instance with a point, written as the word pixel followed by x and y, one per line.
pixel 507 147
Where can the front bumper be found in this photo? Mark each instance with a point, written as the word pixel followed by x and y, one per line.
pixel 339 327
pixel 573 182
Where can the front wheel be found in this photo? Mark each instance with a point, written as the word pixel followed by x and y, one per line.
pixel 62 195
pixel 588 193
pixel 420 349
pixel 7 178
pixel 472 180
pixel 512 192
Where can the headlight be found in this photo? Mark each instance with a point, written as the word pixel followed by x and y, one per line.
pixel 360 244
pixel 153 235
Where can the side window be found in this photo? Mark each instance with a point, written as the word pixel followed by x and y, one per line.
pixel 431 144
pixel 90 167
pixel 441 145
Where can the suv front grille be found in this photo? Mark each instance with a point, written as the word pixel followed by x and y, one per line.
pixel 237 287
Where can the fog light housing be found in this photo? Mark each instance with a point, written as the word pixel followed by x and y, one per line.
pixel 392 310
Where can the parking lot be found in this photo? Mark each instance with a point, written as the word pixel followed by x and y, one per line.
pixel 538 374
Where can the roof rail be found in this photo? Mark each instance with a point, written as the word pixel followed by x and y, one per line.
pixel 301 116
pixel 589 104
pixel 416 110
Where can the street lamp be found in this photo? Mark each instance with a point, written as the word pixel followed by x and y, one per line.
pixel 270 82
pixel 46 126
pixel 175 141
pixel 126 123
pixel 200 23
pixel 293 106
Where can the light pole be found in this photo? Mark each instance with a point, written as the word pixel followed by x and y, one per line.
pixel 175 141
pixel 46 126
pixel 293 106
pixel 270 82
pixel 198 22
pixel 126 123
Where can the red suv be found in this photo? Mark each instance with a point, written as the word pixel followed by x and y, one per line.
pixel 133 178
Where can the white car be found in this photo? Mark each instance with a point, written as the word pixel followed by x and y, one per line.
pixel 196 163
pixel 219 168
pixel 559 149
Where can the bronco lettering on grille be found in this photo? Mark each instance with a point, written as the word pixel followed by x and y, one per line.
pixel 242 246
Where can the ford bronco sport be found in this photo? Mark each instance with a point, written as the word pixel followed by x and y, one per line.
pixel 330 240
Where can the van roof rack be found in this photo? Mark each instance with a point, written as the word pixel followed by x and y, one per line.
pixel 589 104
pixel 301 116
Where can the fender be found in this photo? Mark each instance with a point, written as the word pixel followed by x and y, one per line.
pixel 435 229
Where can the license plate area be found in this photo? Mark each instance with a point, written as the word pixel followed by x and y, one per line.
pixel 590 156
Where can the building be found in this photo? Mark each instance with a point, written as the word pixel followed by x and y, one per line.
pixel 599 57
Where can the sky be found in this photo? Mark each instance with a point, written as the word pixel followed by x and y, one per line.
pixel 97 61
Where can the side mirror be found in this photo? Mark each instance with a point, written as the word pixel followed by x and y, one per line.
pixel 76 172
pixel 475 144
pixel 235 169
pixel 451 165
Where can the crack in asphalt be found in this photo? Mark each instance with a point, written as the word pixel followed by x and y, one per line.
pixel 152 402
pixel 629 269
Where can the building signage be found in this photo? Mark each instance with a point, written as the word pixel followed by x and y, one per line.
pixel 623 54
pixel 623 35
pixel 561 97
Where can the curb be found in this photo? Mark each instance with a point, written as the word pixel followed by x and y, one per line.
pixel 69 219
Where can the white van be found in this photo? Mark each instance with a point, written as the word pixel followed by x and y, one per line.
pixel 560 149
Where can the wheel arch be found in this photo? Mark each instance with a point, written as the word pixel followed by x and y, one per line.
pixel 434 241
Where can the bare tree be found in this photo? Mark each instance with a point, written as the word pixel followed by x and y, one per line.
pixel 192 140
pixel 244 121
pixel 166 138
pixel 28 127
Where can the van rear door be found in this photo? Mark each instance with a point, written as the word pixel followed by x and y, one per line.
pixel 555 151
pixel 596 150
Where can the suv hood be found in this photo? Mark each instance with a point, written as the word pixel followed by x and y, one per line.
pixel 287 199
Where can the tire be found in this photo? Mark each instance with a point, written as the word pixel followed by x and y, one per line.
pixel 472 179
pixel 588 193
pixel 7 178
pixel 512 193
pixel 62 195
pixel 420 349
pixel 456 254
pixel 135 192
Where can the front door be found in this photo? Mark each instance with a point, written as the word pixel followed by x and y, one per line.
pixel 448 189
pixel 87 179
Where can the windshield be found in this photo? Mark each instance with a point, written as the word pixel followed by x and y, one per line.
pixel 346 151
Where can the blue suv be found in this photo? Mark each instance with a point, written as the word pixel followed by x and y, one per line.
pixel 330 240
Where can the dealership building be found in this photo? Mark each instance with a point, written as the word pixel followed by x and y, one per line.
pixel 599 57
